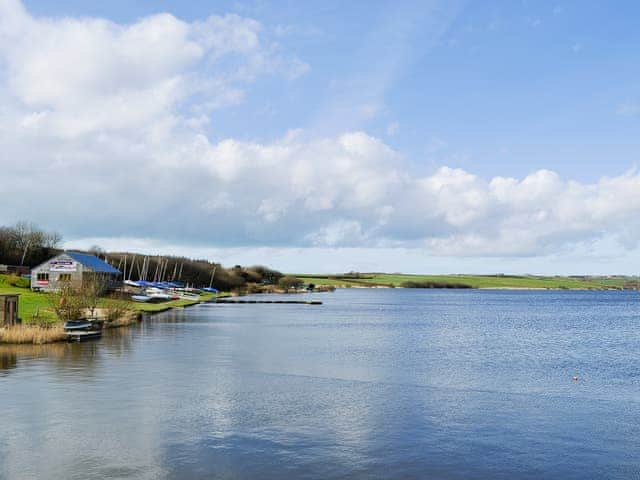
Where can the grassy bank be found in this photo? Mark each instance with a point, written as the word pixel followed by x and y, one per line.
pixel 470 281
pixel 35 307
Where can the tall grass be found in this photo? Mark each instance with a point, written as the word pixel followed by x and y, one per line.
pixel 32 334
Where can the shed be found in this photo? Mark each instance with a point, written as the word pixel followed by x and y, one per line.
pixel 9 309
pixel 73 269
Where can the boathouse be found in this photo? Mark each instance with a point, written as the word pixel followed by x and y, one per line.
pixel 9 309
pixel 73 269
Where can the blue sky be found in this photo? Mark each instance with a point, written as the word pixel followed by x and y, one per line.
pixel 500 88
pixel 439 101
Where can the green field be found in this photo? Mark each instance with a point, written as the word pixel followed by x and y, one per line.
pixel 473 281
pixel 36 307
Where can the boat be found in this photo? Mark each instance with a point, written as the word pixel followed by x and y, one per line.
pixel 140 298
pixel 81 335
pixel 187 295
pixel 76 325
pixel 157 294
pixel 78 330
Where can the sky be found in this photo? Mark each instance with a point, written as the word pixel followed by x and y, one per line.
pixel 320 136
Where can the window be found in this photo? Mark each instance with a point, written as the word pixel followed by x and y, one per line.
pixel 64 277
pixel 43 277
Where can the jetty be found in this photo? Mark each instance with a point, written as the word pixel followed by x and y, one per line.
pixel 298 302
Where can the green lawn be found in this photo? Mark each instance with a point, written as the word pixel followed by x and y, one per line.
pixel 31 304
pixel 475 281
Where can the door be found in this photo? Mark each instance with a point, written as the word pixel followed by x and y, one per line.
pixel 10 311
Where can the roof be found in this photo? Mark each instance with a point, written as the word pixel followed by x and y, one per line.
pixel 93 262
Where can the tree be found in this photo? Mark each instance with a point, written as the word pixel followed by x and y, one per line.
pixel 52 240
pixel 26 244
pixel 288 282
pixel 27 236
pixel 91 292
pixel 68 303
pixel 268 275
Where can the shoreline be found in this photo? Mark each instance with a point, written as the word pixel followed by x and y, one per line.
pixel 34 334
pixel 577 289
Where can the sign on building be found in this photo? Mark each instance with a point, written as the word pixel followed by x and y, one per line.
pixel 62 266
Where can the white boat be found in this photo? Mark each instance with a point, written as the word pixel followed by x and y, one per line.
pixel 157 294
pixel 140 298
pixel 187 295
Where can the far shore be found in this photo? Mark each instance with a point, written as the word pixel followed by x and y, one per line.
pixel 485 282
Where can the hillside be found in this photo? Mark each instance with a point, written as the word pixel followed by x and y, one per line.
pixel 472 281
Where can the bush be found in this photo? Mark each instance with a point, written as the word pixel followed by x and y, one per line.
pixel 19 282
pixel 288 282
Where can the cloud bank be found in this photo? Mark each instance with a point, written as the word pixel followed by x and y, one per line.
pixel 105 132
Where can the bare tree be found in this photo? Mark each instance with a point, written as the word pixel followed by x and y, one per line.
pixel 67 302
pixel 28 236
pixel 51 240
pixel 91 292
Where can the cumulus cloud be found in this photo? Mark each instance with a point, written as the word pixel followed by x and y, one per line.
pixel 74 76
pixel 102 132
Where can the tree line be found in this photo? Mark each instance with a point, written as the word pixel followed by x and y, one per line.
pixel 26 244
pixel 198 272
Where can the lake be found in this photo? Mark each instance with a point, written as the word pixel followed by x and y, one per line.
pixel 374 383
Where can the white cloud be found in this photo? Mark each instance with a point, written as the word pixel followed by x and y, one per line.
pixel 74 76
pixel 113 144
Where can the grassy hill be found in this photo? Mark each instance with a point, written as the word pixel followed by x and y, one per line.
pixel 470 281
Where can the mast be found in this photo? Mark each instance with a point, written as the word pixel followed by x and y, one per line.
pixel 212 275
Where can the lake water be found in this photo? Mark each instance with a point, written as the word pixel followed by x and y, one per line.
pixel 372 384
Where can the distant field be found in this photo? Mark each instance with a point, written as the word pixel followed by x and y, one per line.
pixel 473 281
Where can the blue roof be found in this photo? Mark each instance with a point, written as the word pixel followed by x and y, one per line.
pixel 93 262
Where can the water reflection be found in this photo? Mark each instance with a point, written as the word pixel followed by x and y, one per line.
pixel 381 384
pixel 8 360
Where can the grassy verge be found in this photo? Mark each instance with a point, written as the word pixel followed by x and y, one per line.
pixel 473 281
pixel 35 307
pixel 161 307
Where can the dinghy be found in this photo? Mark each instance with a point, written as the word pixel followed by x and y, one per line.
pixel 140 298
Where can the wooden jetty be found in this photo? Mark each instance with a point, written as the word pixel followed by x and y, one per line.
pixel 297 302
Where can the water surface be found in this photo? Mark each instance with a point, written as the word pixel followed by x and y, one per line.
pixel 372 384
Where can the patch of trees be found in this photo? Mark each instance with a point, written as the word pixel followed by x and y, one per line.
pixel 290 282
pixel 432 284
pixel 25 244
pixel 197 272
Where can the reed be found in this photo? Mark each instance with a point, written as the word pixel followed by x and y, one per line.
pixel 124 320
pixel 32 334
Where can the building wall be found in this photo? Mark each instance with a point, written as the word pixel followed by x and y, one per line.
pixel 60 265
